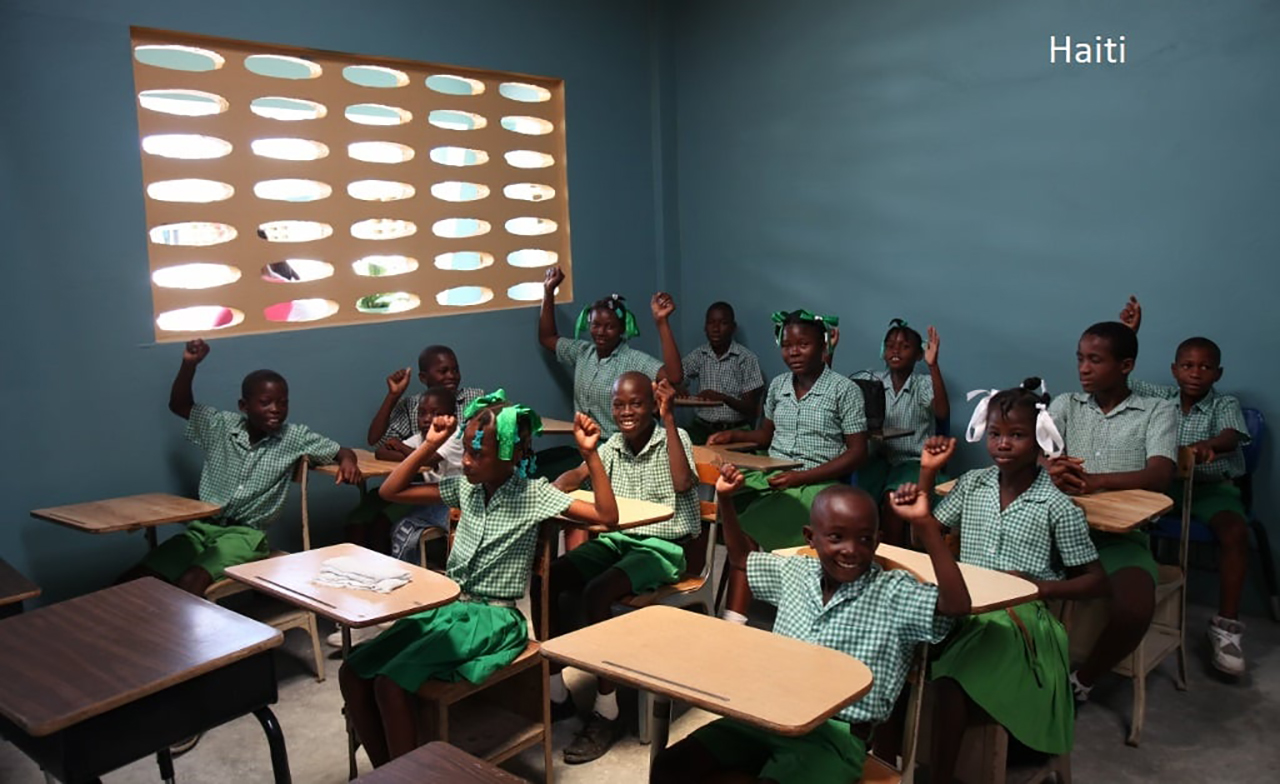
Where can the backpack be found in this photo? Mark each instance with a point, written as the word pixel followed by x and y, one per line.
pixel 872 400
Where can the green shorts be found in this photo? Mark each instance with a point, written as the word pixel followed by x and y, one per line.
pixel 878 476
pixel 208 545
pixel 1122 551
pixel 1208 499
pixel 829 753
pixel 648 561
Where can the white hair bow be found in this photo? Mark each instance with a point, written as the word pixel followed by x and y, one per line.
pixel 1047 435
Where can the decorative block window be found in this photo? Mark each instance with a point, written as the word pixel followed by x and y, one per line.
pixel 288 188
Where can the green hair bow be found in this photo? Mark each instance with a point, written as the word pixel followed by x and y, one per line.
pixel 780 318
pixel 507 420
pixel 617 304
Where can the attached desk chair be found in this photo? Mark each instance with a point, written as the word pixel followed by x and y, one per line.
pixel 14 590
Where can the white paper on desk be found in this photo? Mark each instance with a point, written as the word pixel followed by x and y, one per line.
pixel 346 571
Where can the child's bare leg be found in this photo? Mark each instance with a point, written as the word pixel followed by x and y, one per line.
pixel 362 711
pixel 195 580
pixel 398 709
pixel 575 537
pixel 1133 599
pixel 598 597
pixel 1233 558
pixel 951 717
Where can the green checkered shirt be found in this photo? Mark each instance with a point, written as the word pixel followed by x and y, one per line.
pixel 878 619
pixel 735 374
pixel 910 408
pixel 593 377
pixel 1039 534
pixel 811 430
pixel 647 476
pixel 250 481
pixel 404 416
pixel 494 545
pixel 1123 439
pixel 1208 417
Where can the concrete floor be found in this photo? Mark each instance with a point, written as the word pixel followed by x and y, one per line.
pixel 1217 731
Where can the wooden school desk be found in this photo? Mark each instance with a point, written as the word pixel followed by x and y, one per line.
pixel 718 455
pixel 717 666
pixel 632 512
pixel 1115 511
pixel 556 427
pixel 96 682
pixel 129 513
pixel 14 590
pixel 694 402
pixel 370 466
pixel 438 763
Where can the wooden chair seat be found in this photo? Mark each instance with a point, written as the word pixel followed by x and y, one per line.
pixel 876 772
pixel 446 692
pixel 221 589
pixel 660 595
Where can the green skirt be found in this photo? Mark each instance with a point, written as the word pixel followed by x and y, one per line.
pixel 775 518
pixel 1020 679
pixel 1125 551
pixel 460 640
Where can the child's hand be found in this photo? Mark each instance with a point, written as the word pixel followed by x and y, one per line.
pixel 833 339
pixel 662 305
pixel 937 451
pixel 730 480
pixel 1067 474
pixel 665 394
pixel 931 350
pixel 195 351
pixel 442 426
pixel 1203 452
pixel 586 432
pixel 787 479
pixel 1131 315
pixel 713 395
pixel 909 503
pixel 398 381
pixel 552 280
pixel 723 437
pixel 348 470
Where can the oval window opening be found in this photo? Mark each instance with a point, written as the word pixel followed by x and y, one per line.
pixel 294 231
pixel 383 266
pixel 377 114
pixel 292 190
pixel 463 296
pixel 375 76
pixel 383 229
pixel 459 156
pixel 201 318
pixel 523 92
pixel 459 191
pixel 530 227
pixel 296 271
pixel 532 257
pixel 379 190
pixel 525 292
pixel 456 120
pixel 528 159
pixel 280 66
pixel 529 191
pixel 455 85
pixel 380 152
pixel 196 234
pixel 460 227
pixel 388 302
pixel 191 191
pixel 289 149
pixel 186 146
pixel 464 260
pixel 529 126
pixel 199 275
pixel 300 310
pixel 275 107
pixel 179 58
pixel 184 103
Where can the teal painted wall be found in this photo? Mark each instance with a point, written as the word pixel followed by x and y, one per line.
pixel 84 388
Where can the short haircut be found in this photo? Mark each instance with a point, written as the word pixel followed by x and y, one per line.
pixel 1026 396
pixel 1200 343
pixel 631 375
pixel 428 355
pixel 442 395
pixel 725 306
pixel 856 494
pixel 257 378
pixel 1123 341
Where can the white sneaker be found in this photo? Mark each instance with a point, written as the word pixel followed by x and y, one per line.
pixel 1224 637
pixel 357 635
pixel 1080 691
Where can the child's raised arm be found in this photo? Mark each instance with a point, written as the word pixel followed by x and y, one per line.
pixel 933 458
pixel 547 334
pixel 397 383
pixel 736 540
pixel 181 397
pixel 604 509
pixel 663 306
pixel 682 477
pixel 912 505
pixel 398 488
pixel 941 405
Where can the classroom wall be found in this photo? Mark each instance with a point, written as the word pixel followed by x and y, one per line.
pixel 84 388
pixel 924 160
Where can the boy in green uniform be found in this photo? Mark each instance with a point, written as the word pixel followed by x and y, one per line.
pixel 728 373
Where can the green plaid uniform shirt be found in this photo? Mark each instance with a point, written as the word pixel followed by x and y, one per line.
pixel 1124 439
pixel 735 374
pixel 878 619
pixel 593 377
pixel 404 416
pixel 494 545
pixel 647 476
pixel 250 481
pixel 1207 418
pixel 910 408
pixel 811 430
pixel 1039 534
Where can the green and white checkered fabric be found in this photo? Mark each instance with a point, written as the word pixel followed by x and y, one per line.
pixel 1123 439
pixel 404 416
pixel 734 374
pixel 1039 534
pixel 250 481
pixel 910 408
pixel 878 619
pixel 647 476
pixel 811 430
pixel 494 545
pixel 593 377
pixel 1207 418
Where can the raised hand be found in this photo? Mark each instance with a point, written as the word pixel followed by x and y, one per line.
pixel 398 381
pixel 195 351
pixel 730 480
pixel 442 426
pixel 586 432
pixel 1131 315
pixel 665 394
pixel 662 305
pixel 552 280
pixel 931 350
pixel 833 339
pixel 936 452
pixel 909 503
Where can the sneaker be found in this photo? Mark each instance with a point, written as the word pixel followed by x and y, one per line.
pixel 595 738
pixel 357 635
pixel 182 747
pixel 1080 691
pixel 565 709
pixel 1224 638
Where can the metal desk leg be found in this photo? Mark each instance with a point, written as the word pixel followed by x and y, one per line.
pixel 352 744
pixel 659 726
pixel 164 759
pixel 275 741
pixel 150 533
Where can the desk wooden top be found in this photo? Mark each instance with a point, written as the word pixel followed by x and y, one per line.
pixel 14 586
pixel 129 513
pixel 1114 511
pixel 887 433
pixel 694 402
pixel 632 512
pixel 438 763
pixel 370 466
pixel 988 589
pixel 556 426
pixel 718 455
pixel 288 577
pixel 73 660
pixel 717 666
